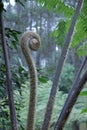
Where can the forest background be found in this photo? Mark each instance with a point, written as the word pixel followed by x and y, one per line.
pixel 51 20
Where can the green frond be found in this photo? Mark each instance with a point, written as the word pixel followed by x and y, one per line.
pixel 81 30
pixel 82 50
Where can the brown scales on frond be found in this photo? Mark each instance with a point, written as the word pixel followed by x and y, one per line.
pixel 31 40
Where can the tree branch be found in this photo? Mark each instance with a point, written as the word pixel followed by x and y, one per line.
pixel 8 76
pixel 72 97
pixel 53 92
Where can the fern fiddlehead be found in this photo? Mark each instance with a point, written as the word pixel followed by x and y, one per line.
pixel 31 40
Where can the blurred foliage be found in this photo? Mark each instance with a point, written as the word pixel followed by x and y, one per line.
pixel 43 95
pixel 57 5
pixel 4 114
pixel 82 50
pixel 66 78
pixel 59 32
pixel 12 38
pixel 19 75
pixel 64 23
pixel 84 95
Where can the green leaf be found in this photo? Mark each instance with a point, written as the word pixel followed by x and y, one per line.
pixel 12 35
pixel 14 44
pixel 82 50
pixel 59 33
pixel 81 29
pixel 52 5
pixel 43 79
pixel 83 93
pixel 84 110
pixel 21 69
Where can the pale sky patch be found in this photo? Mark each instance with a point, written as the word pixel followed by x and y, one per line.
pixel 12 2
